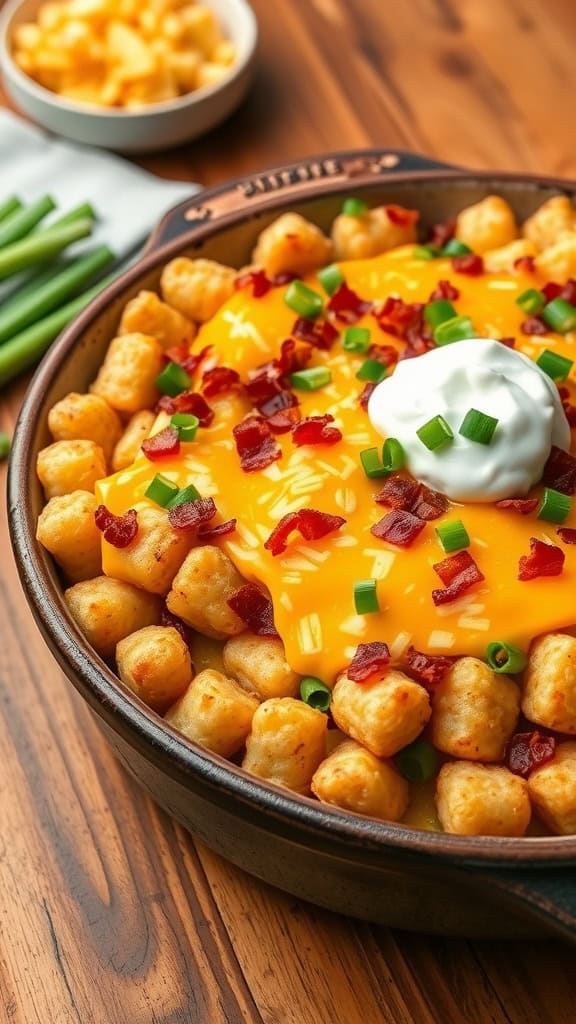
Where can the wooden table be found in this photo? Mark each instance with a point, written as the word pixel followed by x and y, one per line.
pixel 109 913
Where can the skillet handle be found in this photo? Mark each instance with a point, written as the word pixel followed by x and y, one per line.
pixel 361 166
pixel 547 894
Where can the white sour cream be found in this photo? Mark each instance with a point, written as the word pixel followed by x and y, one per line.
pixel 477 374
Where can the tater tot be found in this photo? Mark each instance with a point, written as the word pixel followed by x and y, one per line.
pixel 107 610
pixel 127 376
pixel 549 693
pixel 154 557
pixel 357 238
pixel 482 800
pixel 214 712
pixel 127 448
pixel 558 261
pixel 197 288
pixel 67 466
pixel 502 260
pixel 66 528
pixel 383 715
pixel 553 219
pixel 155 663
pixel 552 790
pixel 474 711
pixel 85 418
pixel 286 743
pixel 147 314
pixel 355 779
pixel 486 225
pixel 259 664
pixel 291 244
pixel 201 590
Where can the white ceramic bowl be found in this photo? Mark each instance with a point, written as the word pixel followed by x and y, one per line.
pixel 156 127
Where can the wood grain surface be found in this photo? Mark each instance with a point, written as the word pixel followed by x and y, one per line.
pixel 109 913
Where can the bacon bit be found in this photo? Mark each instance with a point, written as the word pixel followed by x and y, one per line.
pixel 569 409
pixel 283 278
pixel 189 361
pixel 560 471
pixel 369 660
pixel 441 234
pixel 308 521
pixel 444 290
pixel 219 380
pixel 410 496
pixel 364 396
pixel 568 292
pixel 429 669
pixel 525 264
pixel 264 385
pixel 385 354
pixel 283 421
pixel 508 342
pixel 398 527
pixel 402 217
pixel 430 504
pixel 255 610
pixel 347 305
pixel 522 505
pixel 529 750
pixel 280 402
pixel 551 291
pixel 255 444
pixel 315 430
pixel 294 356
pixel 196 404
pixel 220 530
pixel 167 619
pixel 458 572
pixel 396 316
pixel 470 264
pixel 320 333
pixel 533 325
pixel 161 445
pixel 192 514
pixel 256 280
pixel 567 535
pixel 119 531
pixel 543 560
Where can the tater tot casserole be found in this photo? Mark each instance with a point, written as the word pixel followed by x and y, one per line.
pixel 318 512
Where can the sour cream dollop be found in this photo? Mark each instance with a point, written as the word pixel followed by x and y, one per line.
pixel 477 374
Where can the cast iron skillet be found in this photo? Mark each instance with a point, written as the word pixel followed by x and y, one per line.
pixel 382 872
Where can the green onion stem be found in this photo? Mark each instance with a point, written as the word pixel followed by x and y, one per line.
pixel 41 246
pixel 9 206
pixel 83 212
pixel 21 222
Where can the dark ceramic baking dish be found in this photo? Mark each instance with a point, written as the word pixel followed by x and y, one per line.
pixel 370 869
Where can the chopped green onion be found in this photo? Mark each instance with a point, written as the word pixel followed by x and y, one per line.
pixel 311 379
pixel 503 657
pixel 458 329
pixel 371 464
pixel 393 457
pixel 82 212
pixel 354 207
pixel 555 507
pixel 4 446
pixel 478 426
pixel 186 424
pixel 21 222
pixel 438 312
pixel 455 248
pixel 9 206
pixel 555 365
pixel 173 380
pixel 331 278
pixel 315 693
pixel 435 434
pixel 366 597
pixel 189 493
pixel 425 252
pixel 417 762
pixel 40 246
pixel 453 536
pixel 161 490
pixel 560 316
pixel 356 339
pixel 303 300
pixel 371 370
pixel 531 301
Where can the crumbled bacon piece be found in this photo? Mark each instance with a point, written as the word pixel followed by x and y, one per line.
pixel 525 264
pixel 161 445
pixel 316 430
pixel 310 523
pixel 283 421
pixel 567 534
pixel 119 531
pixel 398 527
pixel 444 290
pixel 522 505
pixel 294 356
pixel 569 409
pixel 255 444
pixel 543 560
pixel 458 572
pixel 385 354
pixel 347 305
pixel 529 750
pixel 410 496
pixel 560 471
pixel 192 514
pixel 508 342
pixel 279 402
pixel 470 264
pixel 533 325
pixel 568 292
pixel 283 278
pixel 401 216
pixel 320 333
pixel 551 291
pixel 255 610
pixel 219 530
pixel 369 660
pixel 396 316
pixel 195 404
pixel 364 396
pixel 256 280
pixel 429 504
pixel 188 360
pixel 429 669
pixel 440 234
pixel 219 380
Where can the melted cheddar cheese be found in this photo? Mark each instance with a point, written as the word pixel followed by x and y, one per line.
pixel 311 584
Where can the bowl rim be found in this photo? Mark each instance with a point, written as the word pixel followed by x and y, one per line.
pixel 162 745
pixel 186 102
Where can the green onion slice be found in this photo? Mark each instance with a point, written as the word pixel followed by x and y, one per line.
pixel 331 278
pixel 186 424
pixel 371 370
pixel 435 434
pixel 458 329
pixel 418 762
pixel 503 657
pixel 354 207
pixel 303 300
pixel 393 456
pixel 189 493
pixel 555 507
pixel 311 379
pixel 560 316
pixel 315 693
pixel 425 252
pixel 356 339
pixel 173 380
pixel 531 301
pixel 366 597
pixel 371 464
pixel 556 366
pixel 455 248
pixel 478 426
pixel 161 490
pixel 438 312
pixel 453 536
